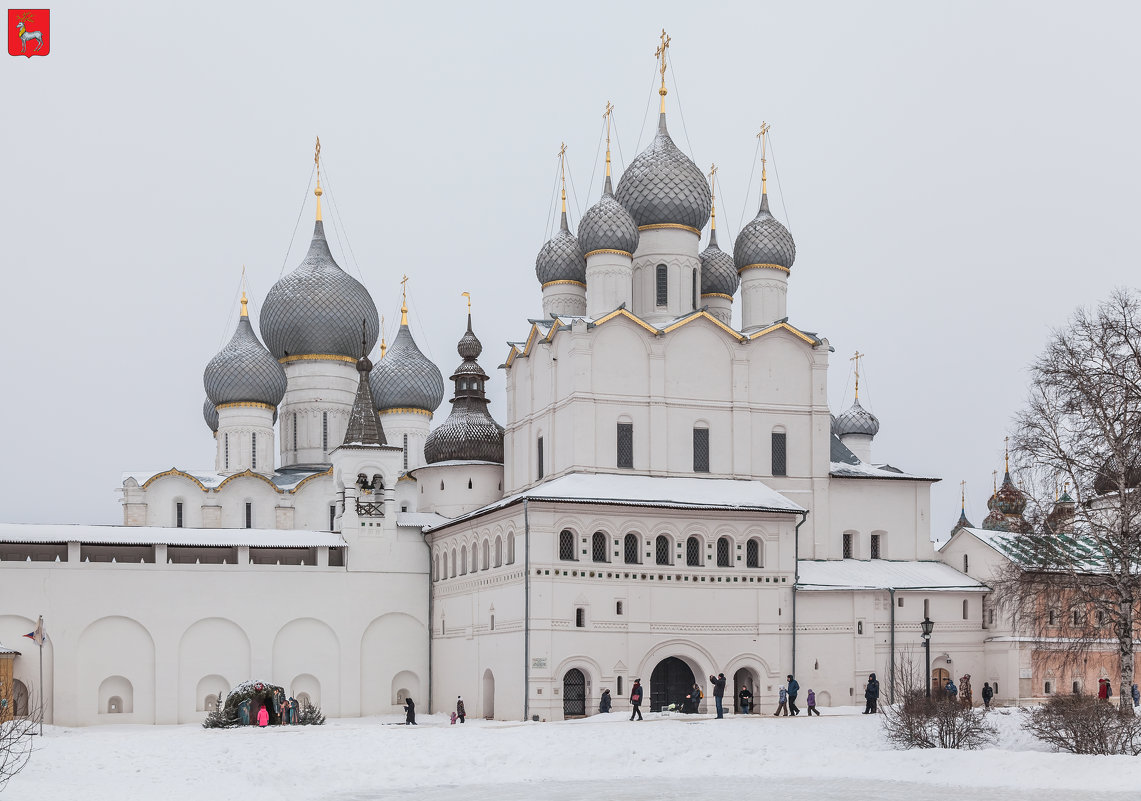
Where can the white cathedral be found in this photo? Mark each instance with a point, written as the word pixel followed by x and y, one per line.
pixel 669 498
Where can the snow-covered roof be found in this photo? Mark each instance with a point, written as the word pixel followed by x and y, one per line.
pixel 656 491
pixel 1038 550
pixel 152 535
pixel 862 470
pixel 879 574
pixel 5 650
pixel 420 519
pixel 284 480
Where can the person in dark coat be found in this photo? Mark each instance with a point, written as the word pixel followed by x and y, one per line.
pixel 871 694
pixel 744 701
pixel 460 711
pixel 987 693
pixel 244 712
pixel 1136 698
pixel 410 711
pixel 812 704
pixel 782 695
pixel 951 689
pixel 636 699
pixel 793 689
pixel 693 700
pixel 718 682
pixel 604 703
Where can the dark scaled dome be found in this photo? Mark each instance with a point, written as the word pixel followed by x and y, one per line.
pixel 244 371
pixel 662 186
pixel 856 420
pixel 469 433
pixel 318 308
pixel 1108 479
pixel 405 378
pixel 718 275
pixel 561 259
pixel 764 242
pixel 607 226
pixel 210 414
pixel 1009 499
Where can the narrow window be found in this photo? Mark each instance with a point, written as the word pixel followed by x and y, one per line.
pixel 663 286
pixel 511 549
pixel 463 561
pixel 618 611
pixel 875 546
pixel 486 555
pixel 493 621
pixel 723 552
pixel 295 431
pixel 254 451
pixel 539 455
pixel 249 515
pixel 1048 688
pixel 325 432
pixel 847 546
pixel 780 453
pixel 332 516
pixel 996 689
pixel 632 549
pixel 598 546
pixel 662 550
pixel 453 574
pixel 990 616
pixel 966 614
pixel 619 686
pixel 1076 617
pixel 178 515
pixel 226 450
pixel 899 602
pixel 469 483
pixel 1052 616
pixel 693 552
pixel 859 627
pixel 753 554
pixel 701 450
pixel 626 445
pixel 1077 688
pixel 579 617
pixel 566 545
pixel 694 291
pixel 405 451
pixel 966 564
pixel 498 552
pixel 926 607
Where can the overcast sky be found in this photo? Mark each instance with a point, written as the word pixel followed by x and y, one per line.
pixel 958 177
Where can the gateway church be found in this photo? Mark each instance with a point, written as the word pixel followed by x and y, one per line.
pixel 669 497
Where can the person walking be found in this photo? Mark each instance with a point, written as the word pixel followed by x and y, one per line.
pixel 812 703
pixel 871 694
pixel 460 711
pixel 453 718
pixel 409 712
pixel 636 699
pixel 951 690
pixel 719 693
pixel 782 706
pixel 263 716
pixel 1104 693
pixel 987 694
pixel 793 690
pixel 744 701
pixel 1136 698
pixel 604 703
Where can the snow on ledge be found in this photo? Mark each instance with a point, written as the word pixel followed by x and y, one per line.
pixel 861 470
pixel 881 574
pixel 155 535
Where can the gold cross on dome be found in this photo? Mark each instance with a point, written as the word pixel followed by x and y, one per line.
pixel 661 54
pixel 856 358
pixel 963 492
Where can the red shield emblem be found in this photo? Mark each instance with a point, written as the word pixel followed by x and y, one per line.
pixel 28 32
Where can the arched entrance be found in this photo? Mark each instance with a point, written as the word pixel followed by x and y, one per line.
pixel 939 679
pixel 489 695
pixel 670 683
pixel 574 693
pixel 20 698
pixel 744 678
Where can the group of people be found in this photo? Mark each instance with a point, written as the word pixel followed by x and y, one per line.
pixel 410 711
pixel 288 711
pixel 787 699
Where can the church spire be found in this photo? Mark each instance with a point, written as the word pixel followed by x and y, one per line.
pixel 317 191
pixel 364 425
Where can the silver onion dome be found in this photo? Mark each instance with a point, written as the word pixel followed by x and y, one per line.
pixel 662 186
pixel 405 378
pixel 210 414
pixel 244 371
pixel 318 308
pixel 718 275
pixel 856 420
pixel 764 242
pixel 561 259
pixel 607 226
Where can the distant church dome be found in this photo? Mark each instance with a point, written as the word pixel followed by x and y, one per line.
pixel 210 414
pixel 764 242
pixel 405 378
pixel 856 420
pixel 607 226
pixel 561 259
pixel 662 186
pixel 244 371
pixel 469 433
pixel 318 308
pixel 718 275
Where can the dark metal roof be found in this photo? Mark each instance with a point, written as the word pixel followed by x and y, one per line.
pixel 662 185
pixel 244 371
pixel 469 432
pixel 856 420
pixel 764 241
pixel 717 271
pixel 607 226
pixel 405 378
pixel 561 259
pixel 210 414
pixel 364 426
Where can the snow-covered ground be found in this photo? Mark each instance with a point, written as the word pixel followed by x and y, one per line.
pixel 841 755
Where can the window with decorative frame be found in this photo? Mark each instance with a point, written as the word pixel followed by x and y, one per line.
pixel 625 454
pixel 632 549
pixel 724 552
pixel 753 554
pixel 874 549
pixel 662 550
pixel 693 552
pixel 780 453
pixel 566 545
pixel 599 548
pixel 700 450
pixel 662 286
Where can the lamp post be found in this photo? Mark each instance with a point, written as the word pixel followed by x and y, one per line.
pixel 926 627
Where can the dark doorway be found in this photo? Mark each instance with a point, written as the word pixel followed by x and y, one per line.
pixel 574 693
pixel 743 678
pixel 670 683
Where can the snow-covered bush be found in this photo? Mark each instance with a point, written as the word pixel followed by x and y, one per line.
pixel 1082 724
pixel 937 722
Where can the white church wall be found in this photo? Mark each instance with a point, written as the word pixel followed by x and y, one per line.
pixel 897 510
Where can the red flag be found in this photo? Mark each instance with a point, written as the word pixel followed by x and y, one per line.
pixel 29 32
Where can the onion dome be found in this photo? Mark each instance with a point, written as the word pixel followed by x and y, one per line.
pixel 561 258
pixel 607 226
pixel 764 242
pixel 1006 508
pixel 244 371
pixel 856 420
pixel 317 308
pixel 210 414
pixel 963 522
pixel 1108 479
pixel 662 186
pixel 1060 520
pixel 469 433
pixel 405 378
pixel 718 275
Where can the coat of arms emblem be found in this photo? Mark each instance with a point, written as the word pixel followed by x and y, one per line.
pixel 29 32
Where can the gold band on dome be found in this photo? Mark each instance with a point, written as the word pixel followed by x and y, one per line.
pixel 760 266
pixel 609 250
pixel 564 281
pixel 679 226
pixel 326 357
pixel 716 295
pixel 245 405
pixel 405 410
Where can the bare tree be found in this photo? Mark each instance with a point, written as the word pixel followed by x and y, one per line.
pixel 1076 584
pixel 16 742
pixel 940 721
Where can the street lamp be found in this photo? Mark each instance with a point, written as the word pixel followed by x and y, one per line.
pixel 926 627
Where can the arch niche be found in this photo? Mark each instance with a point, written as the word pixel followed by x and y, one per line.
pixel 116 656
pixel 392 659
pixel 307 647
pixel 670 683
pixel 489 694
pixel 213 655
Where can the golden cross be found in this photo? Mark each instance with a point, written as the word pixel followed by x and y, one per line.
pixel 713 196
pixel 762 135
pixel 404 289
pixel 994 478
pixel 1006 444
pixel 856 359
pixel 963 492
pixel 383 347
pixel 606 116
pixel 563 172
pixel 468 296
pixel 317 154
pixel 661 53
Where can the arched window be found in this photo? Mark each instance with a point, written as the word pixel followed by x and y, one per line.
pixel 435 567
pixel 753 556
pixel 662 550
pixel 499 552
pixel 463 561
pixel 511 548
pixel 723 552
pixel 632 549
pixel 486 562
pixel 453 575
pixel 566 545
pixel 693 552
pixel 662 286
pixel 779 452
pixel 598 547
